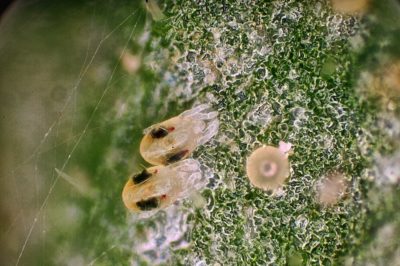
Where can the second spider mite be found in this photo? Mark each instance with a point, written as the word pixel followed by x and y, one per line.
pixel 176 138
pixel 158 187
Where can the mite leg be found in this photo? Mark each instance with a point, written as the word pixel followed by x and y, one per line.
pixel 188 165
pixel 210 131
pixel 195 110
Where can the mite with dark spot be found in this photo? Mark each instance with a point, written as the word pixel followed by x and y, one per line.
pixel 141 177
pixel 160 186
pixel 184 132
pixel 148 204
pixel 148 190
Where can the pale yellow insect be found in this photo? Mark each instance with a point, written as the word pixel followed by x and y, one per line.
pixel 176 138
pixel 158 187
pixel 267 167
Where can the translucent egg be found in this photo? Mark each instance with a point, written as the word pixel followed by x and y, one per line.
pixel 267 168
pixel 383 84
pixel 349 6
pixel 158 187
pixel 176 138
pixel 391 78
pixel 331 189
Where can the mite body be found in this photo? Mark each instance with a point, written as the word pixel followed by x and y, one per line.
pixel 158 187
pixel 176 138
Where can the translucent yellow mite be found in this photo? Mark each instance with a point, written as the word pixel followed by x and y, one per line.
pixel 158 187
pixel 176 138
pixel 268 167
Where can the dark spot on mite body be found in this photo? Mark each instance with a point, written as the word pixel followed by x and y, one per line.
pixel 148 204
pixel 174 157
pixel 158 133
pixel 139 178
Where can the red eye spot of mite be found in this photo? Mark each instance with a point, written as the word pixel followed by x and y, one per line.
pixel 170 129
pixel 163 196
pixel 156 171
